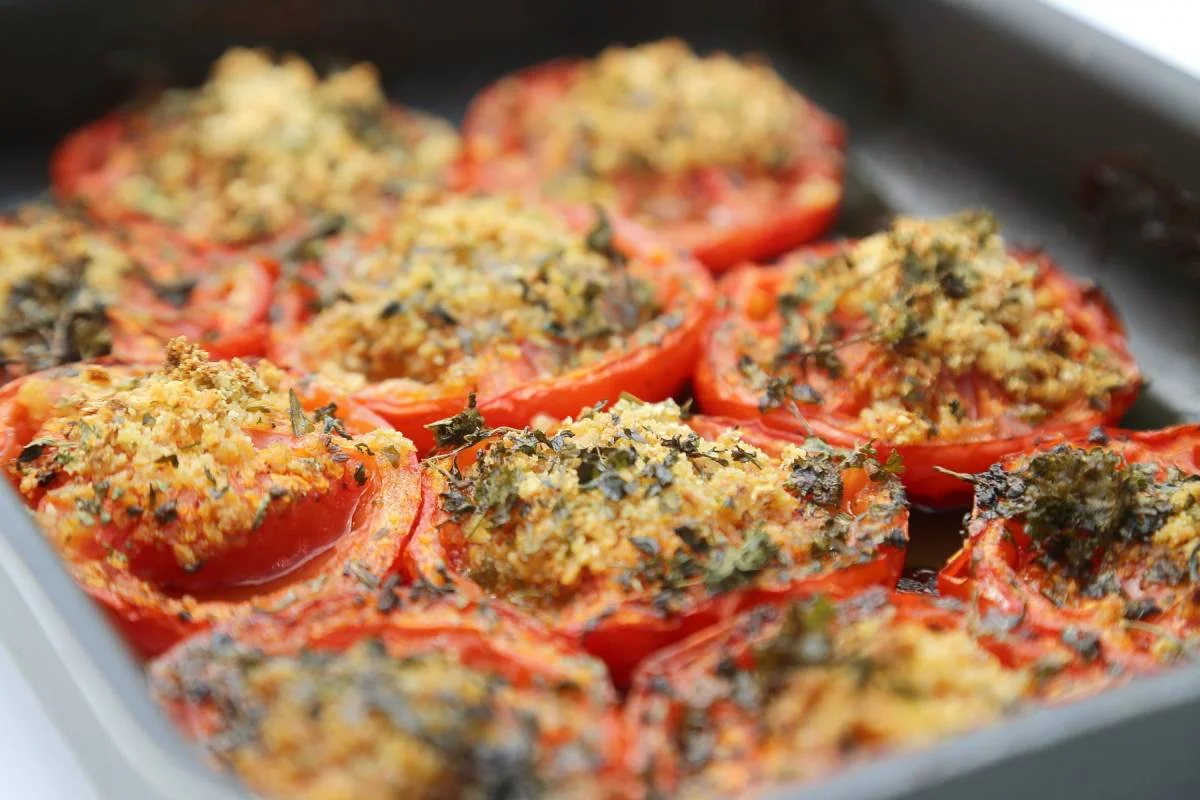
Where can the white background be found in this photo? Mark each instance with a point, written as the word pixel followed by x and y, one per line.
pixel 34 761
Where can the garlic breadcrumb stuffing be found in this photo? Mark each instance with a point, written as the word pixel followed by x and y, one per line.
pixel 633 500
pixel 365 725
pixel 264 146
pixel 660 107
pixel 928 330
pixel 825 688
pixel 467 290
pixel 58 276
pixel 190 458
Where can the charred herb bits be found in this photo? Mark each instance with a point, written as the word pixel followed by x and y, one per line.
pixel 194 485
pixel 932 338
pixel 1098 543
pixel 629 526
pixel 419 702
pixel 794 692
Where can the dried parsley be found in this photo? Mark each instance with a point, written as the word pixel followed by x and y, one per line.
pixel 464 429
pixel 733 567
pixel 600 239
pixel 804 639
pixel 300 423
pixel 816 477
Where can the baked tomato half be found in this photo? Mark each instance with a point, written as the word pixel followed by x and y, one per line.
pixel 192 492
pixel 532 310
pixel 426 698
pixel 264 152
pixel 932 340
pixel 794 692
pixel 70 291
pixel 628 529
pixel 1095 541
pixel 717 154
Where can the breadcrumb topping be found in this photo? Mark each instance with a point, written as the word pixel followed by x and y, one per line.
pixel 931 327
pixel 190 458
pixel 366 725
pixel 634 498
pixel 661 107
pixel 58 275
pixel 466 285
pixel 263 146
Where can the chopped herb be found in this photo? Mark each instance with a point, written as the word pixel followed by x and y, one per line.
pixel 816 477
pixel 166 513
pixel 645 545
pixel 260 513
pixel 1076 502
pixel 804 639
pixel 321 228
pixel 1141 609
pixel 690 537
pixel 462 430
pixel 1086 643
pixel 743 455
pixel 611 485
pixel 391 309
pixel 600 238
pixel 359 571
pixel 31 452
pixel 391 454
pixel 326 416
pixel 300 423
pixel 734 567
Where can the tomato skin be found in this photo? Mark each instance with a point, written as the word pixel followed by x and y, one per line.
pixel 651 372
pixel 624 631
pixel 481 635
pixel 300 553
pixel 749 297
pixel 986 570
pixel 494 160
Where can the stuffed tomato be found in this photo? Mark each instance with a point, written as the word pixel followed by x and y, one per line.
pixel 717 154
pixel 531 310
pixel 264 153
pixel 191 492
pixel 794 692
pixel 1093 540
pixel 630 528
pixel 932 339
pixel 402 694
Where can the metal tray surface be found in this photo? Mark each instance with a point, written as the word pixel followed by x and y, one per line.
pixel 950 103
